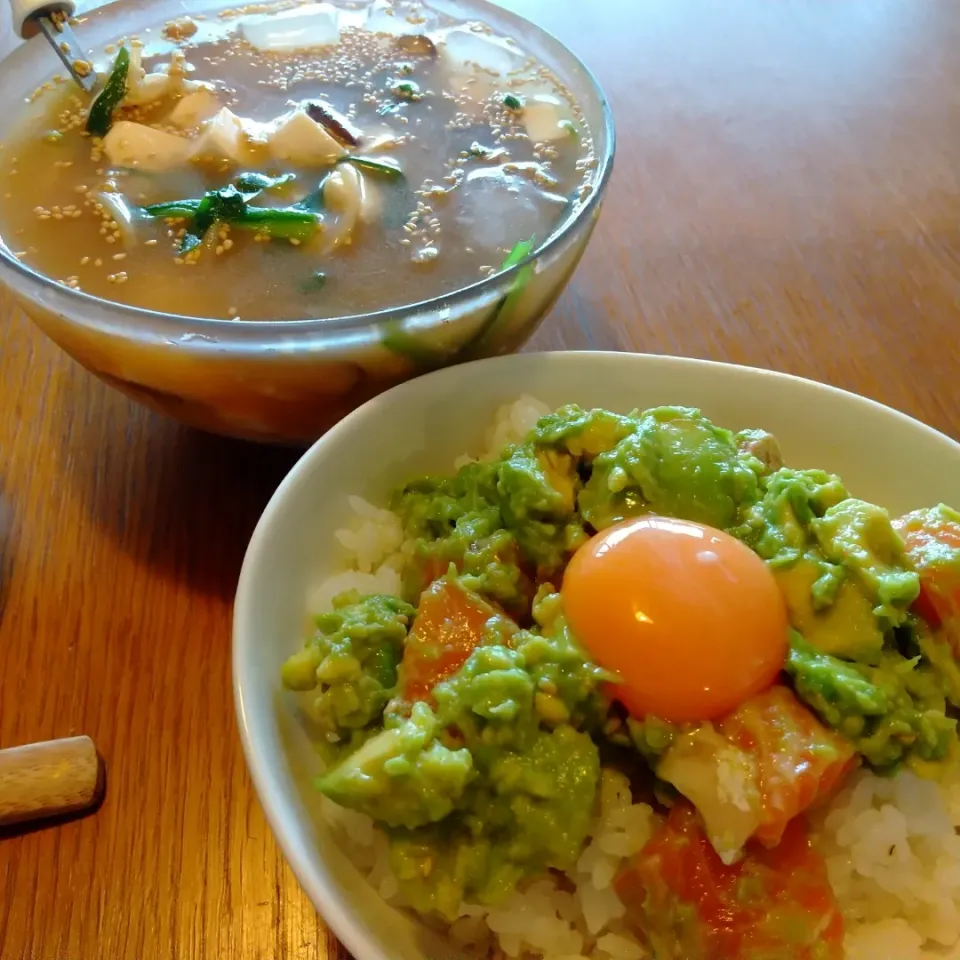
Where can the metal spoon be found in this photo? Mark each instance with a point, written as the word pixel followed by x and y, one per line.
pixel 31 17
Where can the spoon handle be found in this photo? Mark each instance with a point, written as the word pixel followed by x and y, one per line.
pixel 26 12
pixel 46 779
pixel 50 17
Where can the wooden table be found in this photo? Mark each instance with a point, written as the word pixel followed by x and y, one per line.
pixel 787 194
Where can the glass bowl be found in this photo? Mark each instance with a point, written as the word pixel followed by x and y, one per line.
pixel 289 381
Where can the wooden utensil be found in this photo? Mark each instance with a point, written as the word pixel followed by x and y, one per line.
pixel 46 779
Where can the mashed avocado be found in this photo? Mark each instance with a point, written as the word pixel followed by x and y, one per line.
pixel 894 711
pixel 403 776
pixel 860 537
pixel 840 564
pixel 353 660
pixel 674 462
pixel 458 520
pixel 503 756
pixel 488 772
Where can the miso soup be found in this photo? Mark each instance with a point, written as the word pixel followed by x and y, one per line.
pixel 312 162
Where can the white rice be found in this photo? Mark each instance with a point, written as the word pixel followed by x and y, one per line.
pixel 892 846
pixel 893 857
pixel 579 918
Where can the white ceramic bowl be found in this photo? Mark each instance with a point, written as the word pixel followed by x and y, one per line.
pixel 423 425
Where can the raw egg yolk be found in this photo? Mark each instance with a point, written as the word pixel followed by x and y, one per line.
pixel 690 618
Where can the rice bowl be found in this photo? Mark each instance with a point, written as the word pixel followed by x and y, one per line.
pixel 907 904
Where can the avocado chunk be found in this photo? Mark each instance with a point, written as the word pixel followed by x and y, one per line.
pixel 676 463
pixel 457 520
pixel 582 433
pixel 531 811
pixel 860 536
pixel 351 660
pixel 893 712
pixel 538 493
pixel 402 776
pixel 840 564
pixel 550 789
pixel 846 628
pixel 777 525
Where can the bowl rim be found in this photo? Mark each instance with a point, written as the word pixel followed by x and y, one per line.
pixel 325 896
pixel 41 282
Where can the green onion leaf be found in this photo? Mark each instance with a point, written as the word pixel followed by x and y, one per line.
pixel 408 346
pixel 512 102
pixel 281 223
pixel 501 314
pixel 315 282
pixel 425 357
pixel 405 89
pixel 520 250
pixel 388 168
pixel 230 205
pixel 173 209
pixel 100 118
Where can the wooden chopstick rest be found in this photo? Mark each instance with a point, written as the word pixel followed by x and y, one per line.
pixel 48 779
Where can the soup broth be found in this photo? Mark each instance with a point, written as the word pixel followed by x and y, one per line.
pixel 314 162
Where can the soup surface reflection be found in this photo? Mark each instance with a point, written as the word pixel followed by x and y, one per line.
pixel 314 162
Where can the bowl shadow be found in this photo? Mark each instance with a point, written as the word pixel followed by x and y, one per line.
pixel 182 501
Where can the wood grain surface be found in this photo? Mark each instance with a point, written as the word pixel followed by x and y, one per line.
pixel 786 194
